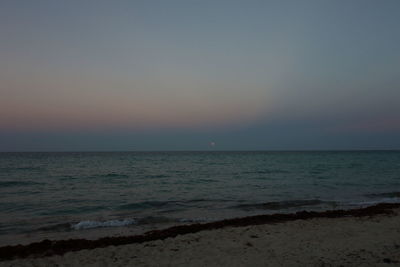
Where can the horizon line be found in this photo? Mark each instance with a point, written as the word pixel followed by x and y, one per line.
pixel 205 150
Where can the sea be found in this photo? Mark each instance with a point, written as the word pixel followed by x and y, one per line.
pixel 95 194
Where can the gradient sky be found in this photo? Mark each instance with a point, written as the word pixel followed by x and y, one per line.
pixel 177 75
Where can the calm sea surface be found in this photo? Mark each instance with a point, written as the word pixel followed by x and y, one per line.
pixel 62 195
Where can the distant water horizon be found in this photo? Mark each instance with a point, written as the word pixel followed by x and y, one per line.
pixel 89 194
pixel 204 150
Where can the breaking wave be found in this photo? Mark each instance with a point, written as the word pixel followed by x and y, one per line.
pixel 97 224
pixel 279 205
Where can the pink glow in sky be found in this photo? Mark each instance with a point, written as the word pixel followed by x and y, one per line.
pixel 261 72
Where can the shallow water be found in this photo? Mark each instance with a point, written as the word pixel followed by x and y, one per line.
pixel 57 195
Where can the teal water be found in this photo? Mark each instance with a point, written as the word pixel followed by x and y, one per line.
pixel 43 193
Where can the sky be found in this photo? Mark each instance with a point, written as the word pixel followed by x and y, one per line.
pixel 199 75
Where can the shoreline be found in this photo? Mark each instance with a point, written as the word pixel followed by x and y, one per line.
pixel 47 248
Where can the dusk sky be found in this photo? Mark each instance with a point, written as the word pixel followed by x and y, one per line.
pixel 178 75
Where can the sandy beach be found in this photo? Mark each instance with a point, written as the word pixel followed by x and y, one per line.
pixel 366 240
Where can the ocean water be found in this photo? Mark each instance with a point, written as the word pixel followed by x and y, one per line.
pixel 67 195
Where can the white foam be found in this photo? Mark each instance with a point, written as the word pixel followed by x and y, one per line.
pixel 96 224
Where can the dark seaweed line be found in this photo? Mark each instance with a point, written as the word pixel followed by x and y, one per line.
pixel 48 248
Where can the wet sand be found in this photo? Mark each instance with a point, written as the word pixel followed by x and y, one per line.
pixel 361 237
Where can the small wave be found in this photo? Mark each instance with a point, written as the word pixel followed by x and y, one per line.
pixel 115 175
pixel 97 224
pixel 168 203
pixel 17 183
pixel 204 180
pixel 63 209
pixel 375 202
pixel 29 168
pixel 146 205
pixel 155 220
pixel 269 171
pixel 163 220
pixel 152 204
pixel 278 205
pixel 157 176
pixel 384 195
pixel 184 220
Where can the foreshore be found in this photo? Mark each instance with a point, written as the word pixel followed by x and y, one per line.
pixel 357 237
